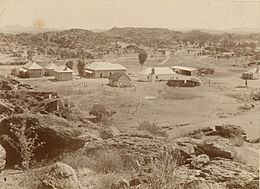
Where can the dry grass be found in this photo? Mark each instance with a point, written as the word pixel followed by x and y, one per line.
pixel 103 161
pixel 77 160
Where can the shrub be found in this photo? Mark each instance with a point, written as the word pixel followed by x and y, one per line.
pixel 151 128
pixel 100 112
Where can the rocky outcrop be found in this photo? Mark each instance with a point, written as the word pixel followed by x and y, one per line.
pixel 58 175
pixel 230 131
pixel 230 172
pixel 216 148
pixel 135 147
pixel 199 161
pixel 54 135
pixel 2 158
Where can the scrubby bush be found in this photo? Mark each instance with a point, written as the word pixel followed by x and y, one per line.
pixel 100 112
pixel 151 128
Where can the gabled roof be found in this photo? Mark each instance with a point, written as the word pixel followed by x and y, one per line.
pixel 32 66
pixel 104 66
pixel 184 68
pixel 158 71
pixel 62 69
pixel 117 75
pixel 51 66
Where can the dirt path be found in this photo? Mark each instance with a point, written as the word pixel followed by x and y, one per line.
pixel 167 54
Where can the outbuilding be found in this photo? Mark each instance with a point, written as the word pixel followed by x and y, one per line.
pixel 183 70
pixel 31 70
pixel 156 74
pixel 119 80
pixel 102 69
pixel 49 69
pixel 63 73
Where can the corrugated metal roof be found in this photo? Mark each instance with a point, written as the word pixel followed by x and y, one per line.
pixel 51 66
pixel 184 68
pixel 63 69
pixel 32 66
pixel 104 66
pixel 158 71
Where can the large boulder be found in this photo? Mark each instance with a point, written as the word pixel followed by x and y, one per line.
pixel 230 131
pixel 235 175
pixel 2 158
pixel 52 135
pixel 58 175
pixel 227 173
pixel 216 148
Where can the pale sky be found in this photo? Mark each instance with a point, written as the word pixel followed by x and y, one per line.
pixel 105 14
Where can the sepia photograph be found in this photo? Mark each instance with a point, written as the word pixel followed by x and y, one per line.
pixel 129 94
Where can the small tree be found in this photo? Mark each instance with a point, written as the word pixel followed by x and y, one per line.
pixel 142 57
pixel 69 64
pixel 81 67
pixel 100 112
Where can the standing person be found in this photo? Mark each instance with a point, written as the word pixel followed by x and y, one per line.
pixel 246 82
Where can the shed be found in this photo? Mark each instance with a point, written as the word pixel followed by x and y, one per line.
pixel 183 70
pixel 33 70
pixel 103 69
pixel 156 74
pixel 52 104
pixel 49 69
pixel 63 73
pixel 119 80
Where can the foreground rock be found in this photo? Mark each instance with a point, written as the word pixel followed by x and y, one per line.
pixel 2 157
pixel 58 175
pixel 230 131
pixel 142 148
pixel 54 135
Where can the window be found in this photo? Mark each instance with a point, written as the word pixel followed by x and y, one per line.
pixel 157 77
pixel 148 77
pixel 110 74
pixel 100 75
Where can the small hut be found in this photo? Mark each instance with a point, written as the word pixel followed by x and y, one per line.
pixel 49 69
pixel 63 73
pixel 119 80
pixel 31 70
pixel 156 74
